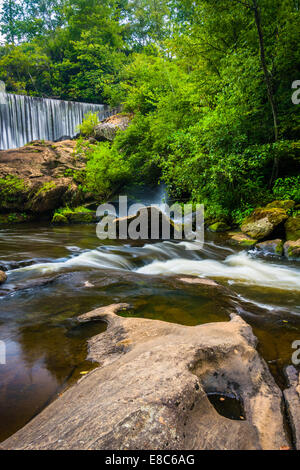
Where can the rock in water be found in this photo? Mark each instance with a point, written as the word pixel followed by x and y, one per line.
pixel 107 129
pixel 149 223
pixel 3 277
pixel 151 391
pixel 219 227
pixel 292 249
pixel 292 398
pixel 262 222
pixel 292 228
pixel 241 239
pixel 272 247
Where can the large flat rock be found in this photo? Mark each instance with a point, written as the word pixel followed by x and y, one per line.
pixel 150 391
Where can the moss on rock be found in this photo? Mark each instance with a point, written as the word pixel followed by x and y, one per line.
pixel 292 228
pixel 240 239
pixel 78 215
pixel 262 222
pixel 272 247
pixel 286 205
pixel 292 249
pixel 219 227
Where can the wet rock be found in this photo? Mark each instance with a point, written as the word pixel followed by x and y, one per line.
pixel 292 400
pixel 219 227
pixel 38 178
pixel 286 205
pixel 15 218
pixel 74 217
pixel 107 129
pixel 271 247
pixel 241 239
pixel 59 219
pixel 3 277
pixel 151 391
pixel 262 222
pixel 292 249
pixel 145 220
pixel 292 228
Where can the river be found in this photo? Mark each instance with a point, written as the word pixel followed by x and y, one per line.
pixel 58 273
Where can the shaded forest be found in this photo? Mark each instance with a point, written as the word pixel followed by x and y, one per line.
pixel 209 83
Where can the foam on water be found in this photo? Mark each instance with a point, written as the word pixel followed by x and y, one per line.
pixel 91 259
pixel 166 258
pixel 239 267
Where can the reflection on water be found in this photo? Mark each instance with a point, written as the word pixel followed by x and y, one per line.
pixel 58 273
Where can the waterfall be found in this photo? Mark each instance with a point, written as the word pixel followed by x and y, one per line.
pixel 25 118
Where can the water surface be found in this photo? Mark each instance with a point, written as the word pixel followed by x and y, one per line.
pixel 58 273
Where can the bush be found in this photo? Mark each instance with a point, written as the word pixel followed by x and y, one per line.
pixel 287 188
pixel 106 171
pixel 90 121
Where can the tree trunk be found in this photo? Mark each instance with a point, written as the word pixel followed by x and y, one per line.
pixel 268 82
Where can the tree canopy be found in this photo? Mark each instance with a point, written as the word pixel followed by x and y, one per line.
pixel 209 83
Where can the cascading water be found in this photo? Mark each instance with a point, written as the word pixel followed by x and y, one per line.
pixel 25 118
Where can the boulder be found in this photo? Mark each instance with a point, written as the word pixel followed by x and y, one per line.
pixel 59 219
pixel 219 227
pixel 153 390
pixel 292 399
pixel 108 128
pixel 292 228
pixel 240 239
pixel 3 277
pixel 292 249
pixel 38 178
pixel 271 247
pixel 145 220
pixel 286 205
pixel 262 222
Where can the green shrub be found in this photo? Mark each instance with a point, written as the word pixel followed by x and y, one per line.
pixel 287 188
pixel 106 171
pixel 87 126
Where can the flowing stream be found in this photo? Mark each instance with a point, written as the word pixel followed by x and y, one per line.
pixel 58 273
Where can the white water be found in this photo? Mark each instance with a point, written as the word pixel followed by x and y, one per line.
pixel 25 118
pixel 239 268
pixel 169 258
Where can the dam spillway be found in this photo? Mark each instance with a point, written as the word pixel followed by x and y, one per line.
pixel 25 118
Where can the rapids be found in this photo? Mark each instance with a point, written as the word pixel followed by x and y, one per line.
pixel 57 273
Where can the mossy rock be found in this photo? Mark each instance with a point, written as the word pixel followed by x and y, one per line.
pixel 69 216
pixel 14 218
pixel 262 222
pixel 219 227
pixel 286 205
pixel 292 250
pixel 292 228
pixel 240 239
pixel 81 217
pixel 272 247
pixel 59 219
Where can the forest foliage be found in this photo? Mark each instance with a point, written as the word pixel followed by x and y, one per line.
pixel 209 83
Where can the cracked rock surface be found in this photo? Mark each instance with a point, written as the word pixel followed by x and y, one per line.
pixel 150 391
